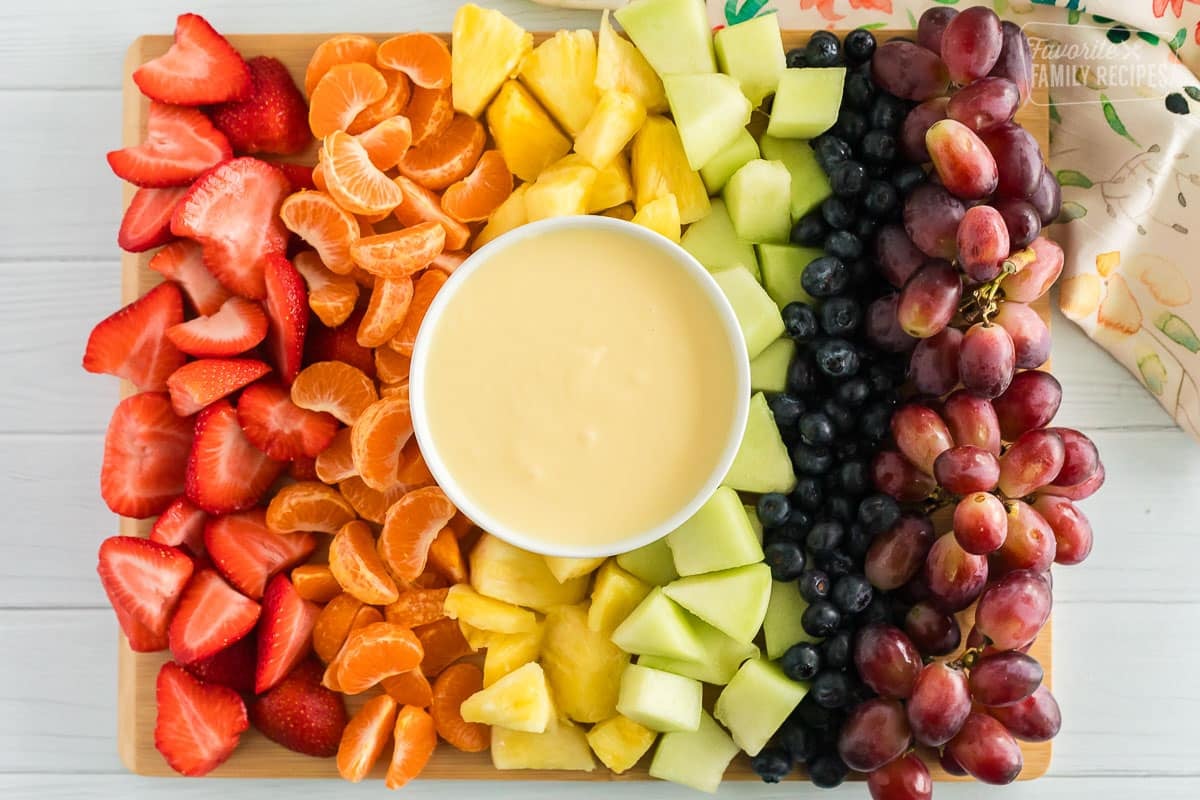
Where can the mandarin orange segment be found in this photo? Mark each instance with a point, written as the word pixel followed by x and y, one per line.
pixel 461 524
pixel 410 527
pixel 450 156
pixel 377 439
pixel 393 389
pixel 365 736
pixel 430 580
pixel 446 557
pixel 416 738
pixel 443 643
pixel 476 196
pixel 430 112
pixel 426 288
pixel 371 504
pixel 421 205
pixel 333 625
pixel 448 262
pixel 336 463
pixel 336 387
pixel 342 49
pixel 390 105
pixel 318 175
pixel 387 142
pixel 390 366
pixel 416 607
pixel 308 506
pixel 356 564
pixel 414 472
pixel 386 311
pixel 315 582
pixel 401 253
pixel 409 688
pixel 325 225
pixel 331 296
pixel 374 652
pixel 423 57
pixel 341 95
pixel 353 181
pixel 451 688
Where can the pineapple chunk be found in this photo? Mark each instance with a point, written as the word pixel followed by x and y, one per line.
pixel 511 214
pixel 619 742
pixel 520 701
pixel 524 133
pixel 621 67
pixel 467 605
pixel 660 216
pixel 476 637
pixel 584 667
pixel 561 73
pixel 508 651
pixel 615 594
pixel 660 167
pixel 623 211
pixel 561 193
pixel 566 568
pixel 510 574
pixel 486 49
pixel 562 746
pixel 617 117
pixel 613 185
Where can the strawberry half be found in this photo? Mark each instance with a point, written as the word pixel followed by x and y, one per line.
pixel 236 327
pixel 225 472
pixel 147 220
pixel 340 344
pixel 145 456
pixel 298 175
pixel 279 427
pixel 233 211
pixel 182 261
pixel 287 310
pixel 284 633
pixel 200 68
pixel 301 714
pixel 132 343
pixel 199 724
pixel 199 383
pixel 140 638
pixel 248 553
pixel 143 579
pixel 180 145
pixel 181 525
pixel 273 118
pixel 232 667
pixel 211 615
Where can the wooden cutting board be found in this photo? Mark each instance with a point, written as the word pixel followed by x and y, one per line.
pixel 257 757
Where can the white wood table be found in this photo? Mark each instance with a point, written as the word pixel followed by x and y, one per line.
pixel 1126 625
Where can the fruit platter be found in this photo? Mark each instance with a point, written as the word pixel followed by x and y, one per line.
pixel 867 593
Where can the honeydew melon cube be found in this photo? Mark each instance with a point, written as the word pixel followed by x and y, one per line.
pixel 714 243
pixel 709 110
pixel 722 656
pixel 755 523
pixel 658 627
pixel 673 35
pixel 718 170
pixel 781 626
pixel 810 184
pixel 756 312
pixel 662 701
pixel 782 269
pixel 756 702
pixel 651 563
pixel 615 594
pixel 762 463
pixel 718 536
pixel 733 601
pixel 759 198
pixel 697 759
pixel 768 371
pixel 807 102
pixel 752 52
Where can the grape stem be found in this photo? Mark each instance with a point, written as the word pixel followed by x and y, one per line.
pixel 983 303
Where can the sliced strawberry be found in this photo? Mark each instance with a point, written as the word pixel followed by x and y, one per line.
pixel 272 119
pixel 181 525
pixel 145 456
pixel 287 309
pixel 236 327
pixel 140 638
pixel 225 472
pixel 279 427
pixel 301 714
pixel 147 221
pixel 144 579
pixel 132 343
pixel 298 175
pixel 340 344
pixel 200 68
pixel 181 144
pixel 211 615
pixel 233 211
pixel 248 553
pixel 199 724
pixel 198 383
pixel 285 633
pixel 182 261
pixel 232 667
pixel 303 469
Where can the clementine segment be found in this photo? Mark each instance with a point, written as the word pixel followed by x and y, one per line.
pixel 440 161
pixel 409 688
pixel 341 95
pixel 416 607
pixel 308 506
pixel 448 262
pixel 423 57
pixel 387 142
pixel 426 288
pixel 476 196
pixel 365 736
pixel 353 181
pixel 430 112
pixel 399 89
pixel 461 525
pixel 451 688
pixel 400 253
pixel 375 652
pixel 318 220
pixel 371 504
pixel 331 297
pixel 336 463
pixel 414 472
pixel 318 175
pixel 422 205
pixel 416 738
pixel 390 366
pixel 315 582
pixel 336 387
pixel 356 564
pixel 409 529
pixel 393 389
pixel 333 625
pixel 386 311
pixel 445 556
pixel 443 643
pixel 377 439
pixel 343 49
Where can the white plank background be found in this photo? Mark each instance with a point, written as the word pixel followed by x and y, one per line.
pixel 1127 621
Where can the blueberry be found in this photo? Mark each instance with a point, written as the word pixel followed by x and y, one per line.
pixel 808 493
pixel 814 585
pixel 825 277
pixel 840 316
pixel 848 179
pixel 830 150
pixel 881 378
pixel 801 662
pixel 839 506
pixel 815 717
pixel 784 533
pixel 795 58
pixel 802 378
pixel 908 177
pixel 878 171
pixel 773 509
pixel 847 449
pixel 810 231
pixel 858 92
pixel 835 651
pixel 853 392
pixel 887 112
pixel 800 744
pixel 843 418
pixel 875 422
pixel 851 125
pixel 821 619
pixel 827 771
pixel 862 273
pixel 837 358
pixel 786 409
pixel 800 519
pixel 881 199
pixel 816 428
pixel 785 558
pixel 810 460
pixel 823 50
pixel 878 610
pixel 851 594
pixel 830 688
pixel 844 245
pixel 859 46
pixel 855 477
pixel 800 321
pixel 772 764
pixel 837 564
pixel 879 146
pixel 838 213
pixel 878 513
pixel 865 228
pixel 825 536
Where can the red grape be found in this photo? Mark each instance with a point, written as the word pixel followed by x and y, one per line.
pixel 1005 678
pixel 1013 610
pixel 1031 402
pixel 931 219
pixel 971 44
pixel 1018 158
pixel 883 326
pixel 987 360
pixel 939 704
pixel 875 733
pixel 948 763
pixel 1031 463
pixel 1082 459
pixel 1021 218
pixel 905 778
pixel 887 660
pixel 972 420
pixel 933 631
pixel 983 243
pixel 897 256
pixel 895 475
pixel 984 104
pixel 980 523
pixel 967 168
pixel 1038 276
pixel 932 25
pixel 965 469
pixel 1081 492
pixel 1030 335
pixel 986 750
pixel 929 300
pixel 1029 543
pixel 933 368
pixel 954 576
pixel 898 553
pixel 917 124
pixel 1047 197
pixel 909 71
pixel 1037 718
pixel 1016 59
pixel 921 435
pixel 1072 530
pixel 975 640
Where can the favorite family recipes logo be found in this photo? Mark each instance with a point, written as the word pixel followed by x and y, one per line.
pixel 1068 57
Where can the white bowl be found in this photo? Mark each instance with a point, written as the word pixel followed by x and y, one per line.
pixel 723 313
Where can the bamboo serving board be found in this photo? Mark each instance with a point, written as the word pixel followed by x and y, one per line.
pixel 257 757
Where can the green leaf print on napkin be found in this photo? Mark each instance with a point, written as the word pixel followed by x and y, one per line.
pixel 1178 41
pixel 747 10
pixel 1114 119
pixel 1178 330
pixel 1071 177
pixel 1154 374
pixel 1071 211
